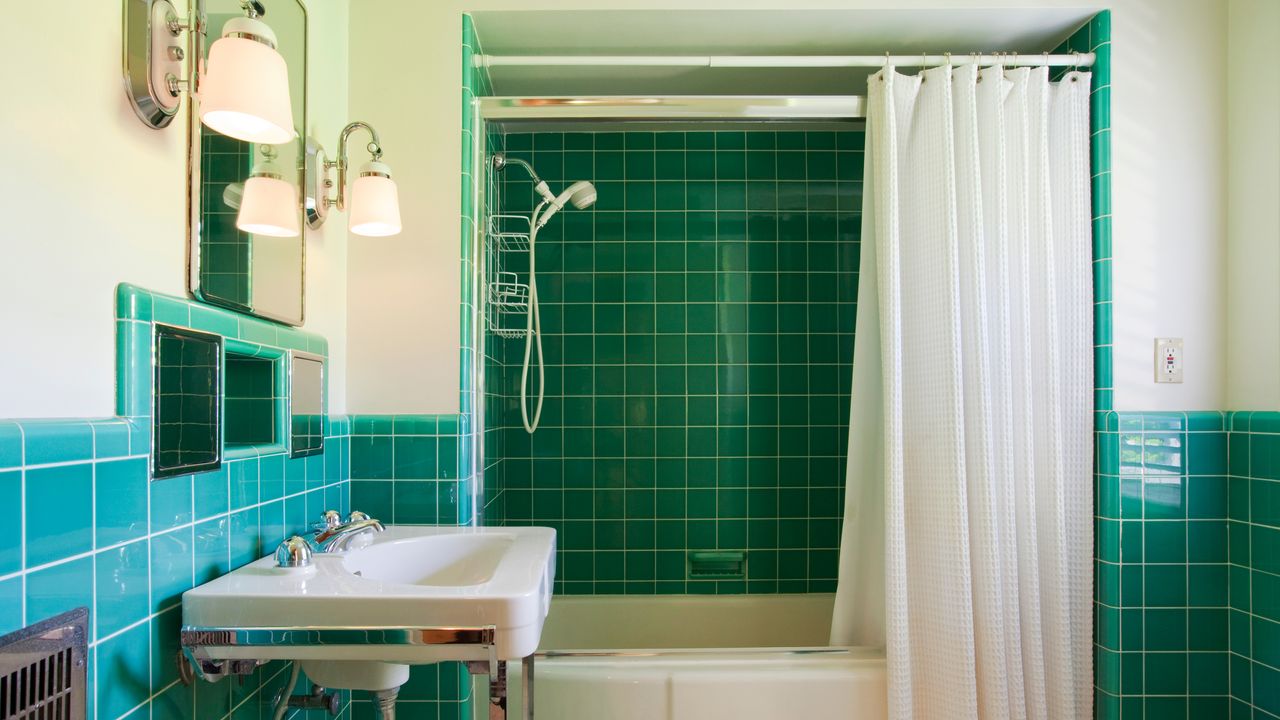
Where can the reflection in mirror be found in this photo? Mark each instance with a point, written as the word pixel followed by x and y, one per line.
pixel 247 252
pixel 187 428
pixel 306 405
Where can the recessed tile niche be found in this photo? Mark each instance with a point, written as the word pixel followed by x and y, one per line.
pixel 251 400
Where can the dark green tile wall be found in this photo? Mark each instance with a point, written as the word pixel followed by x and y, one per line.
pixel 250 405
pixel 1254 541
pixel 698 330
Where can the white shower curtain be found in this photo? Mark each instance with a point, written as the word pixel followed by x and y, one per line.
pixel 968 542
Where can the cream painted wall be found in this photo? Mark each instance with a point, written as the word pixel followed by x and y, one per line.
pixel 91 197
pixel 1253 207
pixel 1170 170
pixel 327 280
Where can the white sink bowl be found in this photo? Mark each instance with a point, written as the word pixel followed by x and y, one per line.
pixel 440 560
pixel 409 577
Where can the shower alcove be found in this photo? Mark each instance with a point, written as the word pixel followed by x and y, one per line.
pixel 697 326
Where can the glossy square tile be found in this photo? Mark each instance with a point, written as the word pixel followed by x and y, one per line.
pixel 58 512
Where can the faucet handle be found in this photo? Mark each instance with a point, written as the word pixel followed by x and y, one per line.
pixel 357 516
pixel 294 553
pixel 329 520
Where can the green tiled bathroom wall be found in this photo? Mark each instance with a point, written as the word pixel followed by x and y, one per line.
pixel 1253 538
pixel 95 531
pixel 1188 547
pixel 698 330
pixel 1161 549
pixel 409 469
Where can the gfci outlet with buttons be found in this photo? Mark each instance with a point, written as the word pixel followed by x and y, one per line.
pixel 1168 360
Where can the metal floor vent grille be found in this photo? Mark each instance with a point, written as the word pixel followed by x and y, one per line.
pixel 42 669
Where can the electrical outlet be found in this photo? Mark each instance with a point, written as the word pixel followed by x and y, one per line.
pixel 1168 360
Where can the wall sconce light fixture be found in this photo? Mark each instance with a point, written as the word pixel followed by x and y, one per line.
pixel 375 202
pixel 243 87
pixel 269 205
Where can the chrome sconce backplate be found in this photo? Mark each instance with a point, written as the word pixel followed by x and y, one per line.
pixel 316 184
pixel 154 55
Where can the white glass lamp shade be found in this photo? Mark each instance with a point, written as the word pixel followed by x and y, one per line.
pixel 374 210
pixel 244 92
pixel 269 206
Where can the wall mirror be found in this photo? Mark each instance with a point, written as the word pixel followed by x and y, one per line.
pixel 261 273
pixel 306 404
pixel 187 426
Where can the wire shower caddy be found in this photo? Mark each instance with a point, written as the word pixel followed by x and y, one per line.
pixel 508 298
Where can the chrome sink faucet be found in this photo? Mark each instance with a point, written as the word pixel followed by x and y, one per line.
pixel 336 535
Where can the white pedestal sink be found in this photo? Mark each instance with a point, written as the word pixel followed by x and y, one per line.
pixel 357 619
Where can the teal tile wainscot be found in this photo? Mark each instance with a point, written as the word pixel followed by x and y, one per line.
pixel 97 532
pixel 1188 548
pixel 1253 536
pixel 412 469
pixel 1162 566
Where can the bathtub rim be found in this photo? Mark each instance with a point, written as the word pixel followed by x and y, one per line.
pixel 854 652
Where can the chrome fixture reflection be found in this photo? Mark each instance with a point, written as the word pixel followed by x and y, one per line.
pixel 582 194
pixel 294 553
pixel 243 87
pixel 339 538
pixel 269 202
pixel 375 201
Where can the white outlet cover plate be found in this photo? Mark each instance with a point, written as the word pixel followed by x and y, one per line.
pixel 1168 360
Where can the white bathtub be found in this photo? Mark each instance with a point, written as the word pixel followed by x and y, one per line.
pixel 747 657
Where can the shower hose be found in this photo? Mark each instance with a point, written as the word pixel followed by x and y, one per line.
pixel 532 336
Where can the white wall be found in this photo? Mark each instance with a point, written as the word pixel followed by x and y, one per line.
pixel 326 279
pixel 90 197
pixel 1253 207
pixel 1170 164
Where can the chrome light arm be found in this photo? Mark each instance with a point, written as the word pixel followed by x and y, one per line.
pixel 343 163
pixel 319 185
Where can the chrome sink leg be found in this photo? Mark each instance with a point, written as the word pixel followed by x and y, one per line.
pixel 498 692
pixel 385 703
pixel 526 687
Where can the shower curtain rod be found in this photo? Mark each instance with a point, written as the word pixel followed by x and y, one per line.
pixel 781 61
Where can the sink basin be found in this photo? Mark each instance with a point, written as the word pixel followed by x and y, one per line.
pixel 435 560
pixel 426 580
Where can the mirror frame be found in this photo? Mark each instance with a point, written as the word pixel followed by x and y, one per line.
pixel 162 330
pixel 323 362
pixel 195 181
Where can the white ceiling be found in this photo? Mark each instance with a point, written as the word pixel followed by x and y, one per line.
pixel 747 32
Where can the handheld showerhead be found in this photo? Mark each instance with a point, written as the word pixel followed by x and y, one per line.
pixel 582 194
